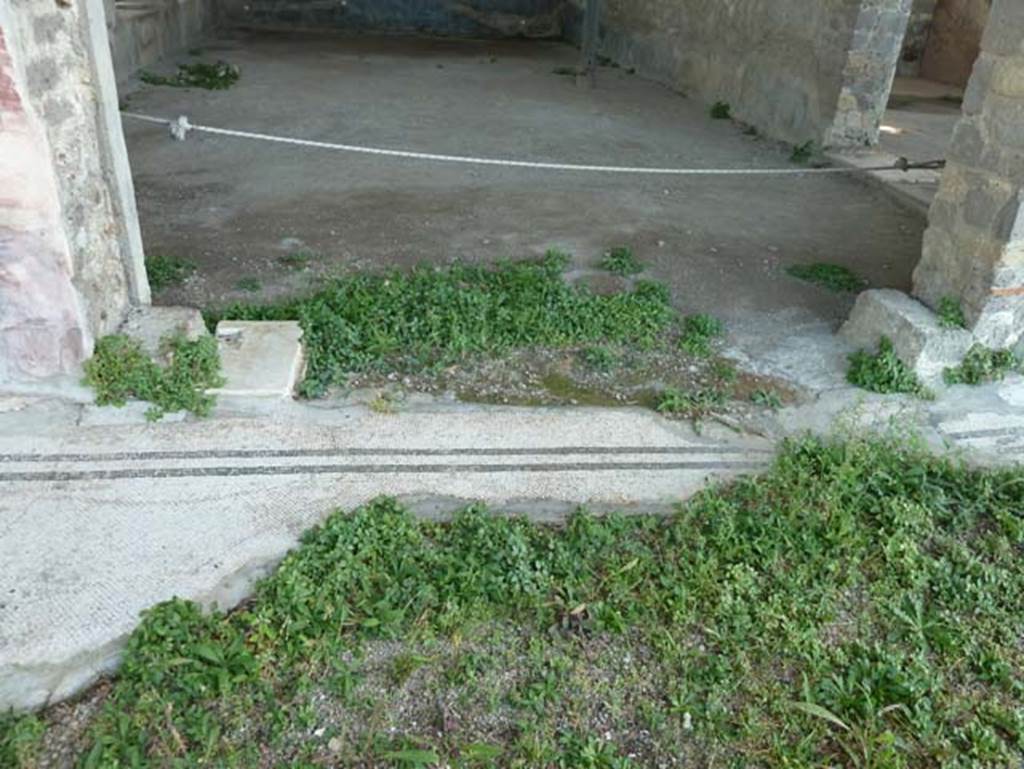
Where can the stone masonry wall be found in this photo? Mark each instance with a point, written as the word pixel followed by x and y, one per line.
pixel 868 72
pixel 780 64
pixel 477 18
pixel 66 274
pixel 974 245
pixel 145 31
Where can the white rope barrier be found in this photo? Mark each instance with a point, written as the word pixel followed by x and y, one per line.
pixel 181 127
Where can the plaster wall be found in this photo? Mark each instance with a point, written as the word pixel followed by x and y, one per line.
pixel 70 253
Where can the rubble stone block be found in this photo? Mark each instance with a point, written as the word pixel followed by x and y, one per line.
pixel 151 324
pixel 918 338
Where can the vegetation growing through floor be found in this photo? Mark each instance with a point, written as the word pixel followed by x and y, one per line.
pixel 834 277
pixel 213 77
pixel 803 153
pixel 693 404
pixel 721 110
pixel 884 372
pixel 599 358
pixel 767 398
pixel 432 317
pixel 951 314
pixel 164 271
pixel 621 261
pixel 860 605
pixel 982 364
pixel 120 369
pixel 698 334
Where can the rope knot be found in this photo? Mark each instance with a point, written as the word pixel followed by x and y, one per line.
pixel 180 128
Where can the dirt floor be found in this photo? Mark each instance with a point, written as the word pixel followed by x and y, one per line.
pixel 241 209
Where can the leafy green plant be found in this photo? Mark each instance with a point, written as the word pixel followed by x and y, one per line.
pixel 599 358
pixel 698 333
pixel 120 369
pixel 802 153
pixel 982 364
pixel 766 398
pixel 834 277
pixel 721 110
pixel 164 271
pixel 951 314
pixel 19 739
pixel 213 77
pixel 883 371
pixel 408 321
pixel 620 261
pixel 694 404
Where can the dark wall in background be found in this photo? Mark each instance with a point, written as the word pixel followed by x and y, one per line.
pixel 474 18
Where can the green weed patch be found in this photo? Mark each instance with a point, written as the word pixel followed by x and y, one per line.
pixel 834 277
pixel 120 369
pixel 860 604
pixel 164 271
pixel 213 77
pixel 699 333
pixel 408 321
pixel 621 261
pixel 883 372
pixel 982 364
pixel 951 314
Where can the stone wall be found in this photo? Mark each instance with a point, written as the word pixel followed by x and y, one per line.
pixel 974 245
pixel 144 31
pixel 70 252
pixel 785 66
pixel 474 18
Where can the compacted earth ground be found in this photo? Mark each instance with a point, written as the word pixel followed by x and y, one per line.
pixel 858 605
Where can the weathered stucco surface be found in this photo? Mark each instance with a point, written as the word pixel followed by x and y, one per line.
pixel 501 18
pixel 974 246
pixel 68 256
pixel 954 40
pixel 785 66
pixel 143 32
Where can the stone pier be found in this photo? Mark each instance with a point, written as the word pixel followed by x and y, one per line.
pixel 71 258
pixel 974 246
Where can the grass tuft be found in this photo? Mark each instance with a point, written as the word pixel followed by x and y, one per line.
pixel 213 77
pixel 951 314
pixel 803 153
pixel 164 271
pixel 698 333
pixel 621 261
pixel 883 372
pixel 429 317
pixel 982 364
pixel 857 605
pixel 834 277
pixel 120 369
pixel 721 110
